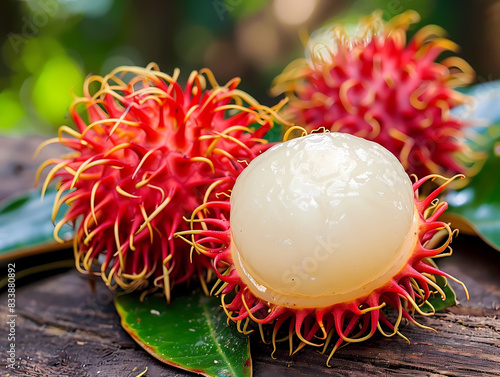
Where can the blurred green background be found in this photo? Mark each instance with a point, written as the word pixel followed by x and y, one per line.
pixel 49 46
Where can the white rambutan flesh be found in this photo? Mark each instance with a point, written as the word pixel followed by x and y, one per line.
pixel 322 219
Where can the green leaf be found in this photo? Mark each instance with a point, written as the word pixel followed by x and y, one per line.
pixel 436 300
pixel 476 208
pixel 26 227
pixel 191 333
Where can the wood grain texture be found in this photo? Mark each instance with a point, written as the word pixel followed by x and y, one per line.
pixel 66 328
pixel 18 164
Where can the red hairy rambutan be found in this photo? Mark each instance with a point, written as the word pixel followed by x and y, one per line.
pixel 321 236
pixel 144 153
pixel 375 85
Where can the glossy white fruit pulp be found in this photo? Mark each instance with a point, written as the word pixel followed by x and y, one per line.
pixel 322 219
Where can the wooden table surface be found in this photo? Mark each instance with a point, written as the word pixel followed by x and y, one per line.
pixel 64 328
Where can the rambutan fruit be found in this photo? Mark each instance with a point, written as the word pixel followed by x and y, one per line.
pixel 321 237
pixel 373 84
pixel 143 155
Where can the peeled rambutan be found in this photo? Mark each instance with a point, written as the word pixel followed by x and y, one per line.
pixel 375 85
pixel 321 236
pixel 144 153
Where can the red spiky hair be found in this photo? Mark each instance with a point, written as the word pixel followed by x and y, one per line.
pixel 376 86
pixel 144 154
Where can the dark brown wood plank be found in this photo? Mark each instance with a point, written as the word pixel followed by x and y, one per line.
pixel 18 165
pixel 64 328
